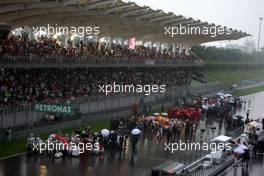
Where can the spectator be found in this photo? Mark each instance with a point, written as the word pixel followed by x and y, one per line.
pixel 25 86
pixel 51 49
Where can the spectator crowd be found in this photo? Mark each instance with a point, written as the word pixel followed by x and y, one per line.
pixel 49 48
pixel 23 86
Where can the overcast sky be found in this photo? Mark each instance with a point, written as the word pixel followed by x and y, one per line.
pixel 238 14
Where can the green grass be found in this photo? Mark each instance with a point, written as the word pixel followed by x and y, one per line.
pixel 95 126
pixel 13 147
pixel 248 91
pixel 19 145
pixel 227 76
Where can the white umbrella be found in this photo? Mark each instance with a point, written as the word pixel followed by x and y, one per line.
pixel 243 147
pixel 253 124
pixel 212 105
pixel 239 150
pixel 228 95
pixel 52 136
pixel 135 131
pixel 220 94
pixel 205 107
pixel 152 117
pixel 156 114
pixel 243 135
pixel 105 132
pixel 164 114
pixel 235 118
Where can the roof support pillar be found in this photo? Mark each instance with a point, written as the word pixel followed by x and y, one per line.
pixel 30 33
pixel 187 52
pixel 180 49
pixel 67 38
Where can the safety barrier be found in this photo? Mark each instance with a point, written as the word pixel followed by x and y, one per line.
pixel 66 61
pixel 23 115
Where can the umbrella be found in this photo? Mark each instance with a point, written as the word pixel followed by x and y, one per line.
pixel 52 136
pixel 164 114
pixel 105 132
pixel 243 135
pixel 135 131
pixel 239 117
pixel 243 147
pixel 239 150
pixel 205 107
pixel 228 95
pixel 152 117
pixel 220 94
pixel 156 114
pixel 253 124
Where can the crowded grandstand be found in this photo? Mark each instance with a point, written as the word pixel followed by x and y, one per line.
pixel 50 66
pixel 23 86
pixel 44 78
pixel 50 48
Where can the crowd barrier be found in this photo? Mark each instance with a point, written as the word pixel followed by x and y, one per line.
pixel 24 115
pixel 30 61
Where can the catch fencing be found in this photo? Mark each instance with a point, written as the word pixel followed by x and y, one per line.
pixel 23 116
pixel 80 61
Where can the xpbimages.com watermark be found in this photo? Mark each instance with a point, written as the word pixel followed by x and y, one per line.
pixel 130 88
pixel 67 30
pixel 212 31
pixel 80 147
pixel 192 146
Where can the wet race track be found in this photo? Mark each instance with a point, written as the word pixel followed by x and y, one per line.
pixel 149 154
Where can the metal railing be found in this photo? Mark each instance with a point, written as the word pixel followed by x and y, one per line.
pixel 173 91
pixel 67 61
pixel 24 115
pixel 215 169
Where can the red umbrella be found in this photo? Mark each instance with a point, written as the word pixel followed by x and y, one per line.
pixel 60 138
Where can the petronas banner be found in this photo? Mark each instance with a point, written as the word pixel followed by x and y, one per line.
pixel 54 108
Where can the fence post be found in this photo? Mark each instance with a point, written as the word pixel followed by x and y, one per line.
pixel 105 99
pixel 78 109
pixel 14 125
pixel 27 116
pixel 2 119
pixel 88 107
pixel 38 118
pixel 98 102
pixel 118 101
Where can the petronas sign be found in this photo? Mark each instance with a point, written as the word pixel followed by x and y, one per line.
pixel 54 108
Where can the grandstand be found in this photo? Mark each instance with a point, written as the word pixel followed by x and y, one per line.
pixel 114 17
pixel 38 68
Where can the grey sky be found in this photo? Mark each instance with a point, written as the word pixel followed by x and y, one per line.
pixel 238 14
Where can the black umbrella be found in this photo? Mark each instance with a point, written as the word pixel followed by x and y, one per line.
pixel 239 117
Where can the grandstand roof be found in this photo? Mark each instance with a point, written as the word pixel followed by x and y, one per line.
pixel 114 17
